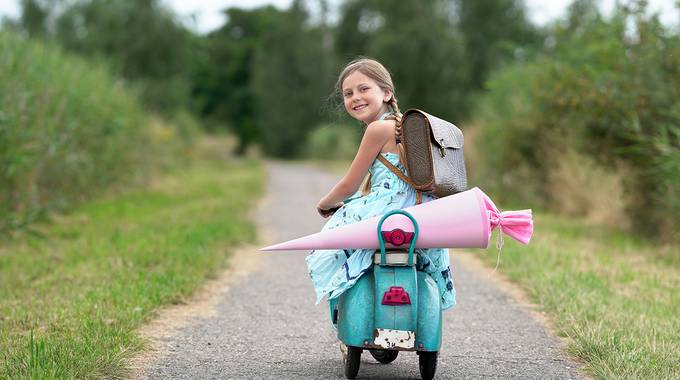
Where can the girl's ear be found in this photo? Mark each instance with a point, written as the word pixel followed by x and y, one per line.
pixel 387 95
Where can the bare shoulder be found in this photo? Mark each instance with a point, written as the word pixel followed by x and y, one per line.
pixel 382 128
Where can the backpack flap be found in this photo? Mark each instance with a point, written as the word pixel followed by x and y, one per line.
pixel 447 157
pixel 445 134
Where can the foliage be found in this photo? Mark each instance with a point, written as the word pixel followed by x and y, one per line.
pixel 265 77
pixel 494 32
pixel 140 40
pixel 333 142
pixel 223 79
pixel 72 304
pixel 607 89
pixel 438 51
pixel 267 73
pixel 288 83
pixel 68 131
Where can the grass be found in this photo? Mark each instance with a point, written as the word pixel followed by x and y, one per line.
pixel 615 297
pixel 70 301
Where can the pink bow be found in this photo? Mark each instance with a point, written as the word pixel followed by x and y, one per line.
pixel 518 225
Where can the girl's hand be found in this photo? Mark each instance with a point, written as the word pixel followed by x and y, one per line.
pixel 326 211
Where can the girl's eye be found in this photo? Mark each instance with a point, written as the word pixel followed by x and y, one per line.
pixel 364 89
pixel 347 94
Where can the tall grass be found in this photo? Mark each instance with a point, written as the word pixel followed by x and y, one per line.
pixel 68 130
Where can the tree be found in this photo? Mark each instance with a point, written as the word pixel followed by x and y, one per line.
pixel 223 81
pixel 140 39
pixel 289 82
pixel 493 31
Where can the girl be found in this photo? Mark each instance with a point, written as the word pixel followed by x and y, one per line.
pixel 368 93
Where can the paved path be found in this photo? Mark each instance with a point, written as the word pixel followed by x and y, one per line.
pixel 266 326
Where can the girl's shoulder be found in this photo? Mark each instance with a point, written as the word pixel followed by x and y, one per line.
pixel 382 127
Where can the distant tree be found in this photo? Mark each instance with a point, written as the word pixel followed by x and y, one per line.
pixel 140 39
pixel 34 17
pixel 289 82
pixel 494 32
pixel 223 81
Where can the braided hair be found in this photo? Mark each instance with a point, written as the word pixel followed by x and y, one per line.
pixel 397 117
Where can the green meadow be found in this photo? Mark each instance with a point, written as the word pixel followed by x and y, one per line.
pixel 71 300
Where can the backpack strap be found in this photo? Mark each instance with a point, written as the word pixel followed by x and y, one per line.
pixel 402 176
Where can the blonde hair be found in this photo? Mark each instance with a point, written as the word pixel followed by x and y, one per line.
pixel 377 72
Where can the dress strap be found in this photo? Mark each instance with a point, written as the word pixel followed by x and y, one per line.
pixel 388 113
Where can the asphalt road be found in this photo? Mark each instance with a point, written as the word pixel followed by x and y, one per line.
pixel 266 325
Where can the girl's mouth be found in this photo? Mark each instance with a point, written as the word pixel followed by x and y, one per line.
pixel 360 107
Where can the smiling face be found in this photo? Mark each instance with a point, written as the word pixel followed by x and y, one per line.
pixel 364 99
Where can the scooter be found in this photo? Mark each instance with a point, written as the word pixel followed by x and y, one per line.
pixel 392 308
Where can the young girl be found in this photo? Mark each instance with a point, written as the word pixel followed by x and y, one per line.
pixel 368 93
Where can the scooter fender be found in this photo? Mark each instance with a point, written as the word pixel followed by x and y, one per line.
pixel 429 332
pixel 356 313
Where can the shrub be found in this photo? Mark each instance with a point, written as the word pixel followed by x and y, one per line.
pixel 604 91
pixel 333 142
pixel 68 130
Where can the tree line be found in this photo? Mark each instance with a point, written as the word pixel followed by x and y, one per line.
pixel 267 74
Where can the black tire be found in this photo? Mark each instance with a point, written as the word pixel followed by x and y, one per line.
pixel 384 356
pixel 352 362
pixel 427 361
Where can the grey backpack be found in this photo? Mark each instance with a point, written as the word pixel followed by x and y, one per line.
pixel 434 154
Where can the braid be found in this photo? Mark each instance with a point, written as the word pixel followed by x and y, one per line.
pixel 397 116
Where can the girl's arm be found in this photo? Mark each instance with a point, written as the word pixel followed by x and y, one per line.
pixel 376 135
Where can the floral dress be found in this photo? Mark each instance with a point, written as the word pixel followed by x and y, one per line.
pixel 335 271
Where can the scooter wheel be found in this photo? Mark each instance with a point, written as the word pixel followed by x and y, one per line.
pixel 384 356
pixel 427 361
pixel 352 362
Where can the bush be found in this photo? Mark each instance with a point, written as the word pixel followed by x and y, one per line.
pixel 333 142
pixel 68 130
pixel 604 91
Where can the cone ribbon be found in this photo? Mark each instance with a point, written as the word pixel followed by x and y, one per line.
pixel 463 220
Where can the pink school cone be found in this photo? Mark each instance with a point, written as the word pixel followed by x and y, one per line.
pixel 463 220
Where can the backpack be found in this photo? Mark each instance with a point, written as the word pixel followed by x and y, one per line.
pixel 434 155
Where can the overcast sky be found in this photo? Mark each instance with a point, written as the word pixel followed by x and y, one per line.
pixel 205 15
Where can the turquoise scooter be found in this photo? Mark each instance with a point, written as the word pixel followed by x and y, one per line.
pixel 392 308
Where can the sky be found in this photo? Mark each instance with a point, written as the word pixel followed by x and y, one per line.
pixel 205 15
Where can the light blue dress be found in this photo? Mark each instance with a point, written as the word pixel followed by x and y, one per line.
pixel 334 271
